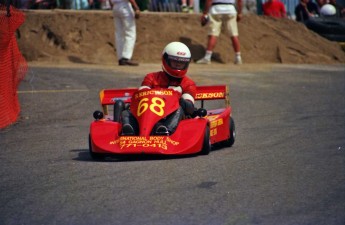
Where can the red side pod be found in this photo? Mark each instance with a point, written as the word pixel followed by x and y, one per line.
pixel 219 125
pixel 102 132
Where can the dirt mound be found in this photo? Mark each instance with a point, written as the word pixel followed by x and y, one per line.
pixel 62 36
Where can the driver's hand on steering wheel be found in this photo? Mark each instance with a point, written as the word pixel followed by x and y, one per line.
pixel 176 88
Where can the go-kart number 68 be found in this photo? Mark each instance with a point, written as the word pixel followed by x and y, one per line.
pixel 156 103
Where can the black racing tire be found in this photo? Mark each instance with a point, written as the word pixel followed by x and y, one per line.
pixel 331 28
pixel 231 140
pixel 206 146
pixel 94 156
pixel 119 106
pixel 334 37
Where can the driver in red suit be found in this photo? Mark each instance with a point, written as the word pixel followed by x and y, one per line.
pixel 176 57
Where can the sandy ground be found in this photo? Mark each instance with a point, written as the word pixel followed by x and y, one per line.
pixel 87 37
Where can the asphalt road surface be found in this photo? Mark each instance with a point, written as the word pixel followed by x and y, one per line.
pixel 287 165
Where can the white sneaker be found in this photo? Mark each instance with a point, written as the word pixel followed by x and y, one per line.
pixel 238 60
pixel 203 61
pixel 185 9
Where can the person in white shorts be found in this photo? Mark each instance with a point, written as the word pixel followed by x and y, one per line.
pixel 125 29
pixel 218 12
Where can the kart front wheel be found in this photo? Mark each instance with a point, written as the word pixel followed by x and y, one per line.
pixel 231 140
pixel 206 146
pixel 94 156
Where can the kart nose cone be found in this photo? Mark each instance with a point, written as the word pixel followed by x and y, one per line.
pixel 98 115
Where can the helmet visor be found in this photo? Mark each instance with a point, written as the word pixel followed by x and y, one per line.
pixel 178 63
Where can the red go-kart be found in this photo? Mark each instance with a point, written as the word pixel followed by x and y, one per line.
pixel 194 134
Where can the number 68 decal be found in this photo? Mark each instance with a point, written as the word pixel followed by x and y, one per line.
pixel 156 106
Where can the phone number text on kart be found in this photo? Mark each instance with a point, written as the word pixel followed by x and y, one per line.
pixel 134 142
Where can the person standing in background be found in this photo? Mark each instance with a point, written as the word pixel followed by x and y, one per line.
pixel 217 12
pixel 274 8
pixel 250 6
pixel 305 10
pixel 340 11
pixel 320 3
pixel 125 29
pixel 187 8
pixel 143 5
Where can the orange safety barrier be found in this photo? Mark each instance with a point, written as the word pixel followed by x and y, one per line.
pixel 13 66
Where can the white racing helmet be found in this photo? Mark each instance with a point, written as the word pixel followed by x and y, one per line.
pixel 176 57
pixel 328 10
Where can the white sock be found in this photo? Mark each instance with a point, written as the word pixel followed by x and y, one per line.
pixel 208 55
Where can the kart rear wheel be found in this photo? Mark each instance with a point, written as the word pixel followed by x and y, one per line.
pixel 206 146
pixel 94 156
pixel 231 140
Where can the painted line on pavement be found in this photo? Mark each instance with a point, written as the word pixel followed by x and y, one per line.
pixel 51 91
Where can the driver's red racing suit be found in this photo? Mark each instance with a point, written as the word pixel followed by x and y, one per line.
pixel 184 85
pixel 162 80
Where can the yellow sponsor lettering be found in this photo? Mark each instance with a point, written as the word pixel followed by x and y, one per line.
pixel 143 142
pixel 164 92
pixel 172 141
pixel 153 92
pixel 132 138
pixel 115 142
pixel 213 132
pixel 211 118
pixel 213 124
pixel 155 138
pixel 210 95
